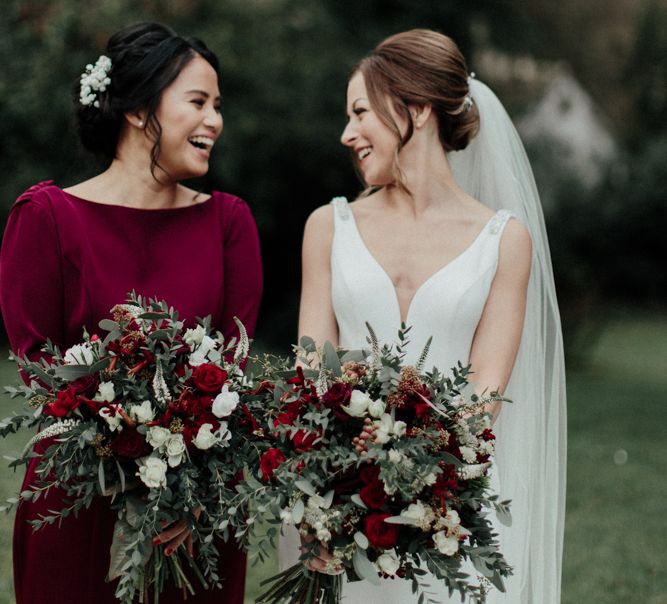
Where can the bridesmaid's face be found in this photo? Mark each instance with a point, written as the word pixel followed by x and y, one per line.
pixel 189 113
pixel 372 142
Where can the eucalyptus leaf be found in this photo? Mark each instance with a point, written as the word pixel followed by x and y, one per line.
pixel 297 511
pixel 364 567
pixel 358 501
pixel 331 360
pixel 109 325
pixel 70 373
pixel 306 487
pixel 361 540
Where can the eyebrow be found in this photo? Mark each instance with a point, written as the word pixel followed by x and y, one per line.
pixel 361 98
pixel 203 93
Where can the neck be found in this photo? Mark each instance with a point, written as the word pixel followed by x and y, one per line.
pixel 429 179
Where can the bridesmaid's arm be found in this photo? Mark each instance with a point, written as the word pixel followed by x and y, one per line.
pixel 242 271
pixel 316 314
pixel 31 292
pixel 498 334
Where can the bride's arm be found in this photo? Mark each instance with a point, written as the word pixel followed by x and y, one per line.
pixel 498 334
pixel 316 315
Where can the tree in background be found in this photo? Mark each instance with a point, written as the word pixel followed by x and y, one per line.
pixel 285 65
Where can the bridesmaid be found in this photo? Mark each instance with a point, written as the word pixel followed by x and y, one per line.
pixel 150 106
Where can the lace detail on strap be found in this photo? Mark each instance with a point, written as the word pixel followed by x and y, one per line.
pixel 498 221
pixel 341 207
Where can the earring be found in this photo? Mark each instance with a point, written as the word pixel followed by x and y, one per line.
pixel 141 123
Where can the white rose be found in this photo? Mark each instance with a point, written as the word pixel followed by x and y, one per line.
pixel 142 413
pixel 157 436
pixel 175 447
pixel 197 358
pixel 376 408
pixel 205 439
pixel 112 417
pixel 468 454
pixel 451 520
pixel 79 354
pixel 105 392
pixel 152 472
pixel 388 564
pixel 399 429
pixel 194 337
pixel 446 545
pixel 225 402
pixel 223 434
pixel 359 402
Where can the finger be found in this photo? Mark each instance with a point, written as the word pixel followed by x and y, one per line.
pixel 175 543
pixel 170 533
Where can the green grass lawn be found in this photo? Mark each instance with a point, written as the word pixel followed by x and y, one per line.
pixel 616 533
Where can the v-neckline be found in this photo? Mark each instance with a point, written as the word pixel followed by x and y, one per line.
pixel 429 279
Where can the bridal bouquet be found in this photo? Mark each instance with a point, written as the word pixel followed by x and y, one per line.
pixel 148 416
pixel 410 494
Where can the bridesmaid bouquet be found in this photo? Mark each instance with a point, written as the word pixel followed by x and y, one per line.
pixel 149 416
pixel 383 464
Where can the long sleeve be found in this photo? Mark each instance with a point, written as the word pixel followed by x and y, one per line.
pixel 31 292
pixel 242 269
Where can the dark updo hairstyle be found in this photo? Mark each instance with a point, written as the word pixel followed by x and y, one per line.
pixel 145 59
pixel 419 67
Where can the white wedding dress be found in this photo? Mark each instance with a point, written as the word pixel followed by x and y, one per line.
pixel 447 306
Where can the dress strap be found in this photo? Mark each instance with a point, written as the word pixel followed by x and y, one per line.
pixel 342 212
pixel 498 222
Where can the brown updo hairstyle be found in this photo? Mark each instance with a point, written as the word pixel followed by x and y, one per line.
pixel 420 67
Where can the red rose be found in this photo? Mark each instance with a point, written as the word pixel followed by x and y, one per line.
pixel 209 378
pixel 284 419
pixel 380 533
pixel 66 402
pixel 269 461
pixel 373 495
pixel 129 444
pixel 337 396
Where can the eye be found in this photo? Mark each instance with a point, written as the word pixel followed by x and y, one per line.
pixel 359 110
pixel 198 102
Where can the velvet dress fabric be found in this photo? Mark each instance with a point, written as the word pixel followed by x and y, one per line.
pixel 65 262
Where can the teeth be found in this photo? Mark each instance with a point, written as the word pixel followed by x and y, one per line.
pixel 364 152
pixel 201 140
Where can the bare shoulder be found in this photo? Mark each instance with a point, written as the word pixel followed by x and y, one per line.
pixel 320 222
pixel 515 248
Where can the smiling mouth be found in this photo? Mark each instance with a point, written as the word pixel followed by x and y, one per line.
pixel 363 153
pixel 201 142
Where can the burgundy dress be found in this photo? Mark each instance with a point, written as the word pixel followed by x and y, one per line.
pixel 64 263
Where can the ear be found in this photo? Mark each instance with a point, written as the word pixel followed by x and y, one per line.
pixel 420 114
pixel 137 119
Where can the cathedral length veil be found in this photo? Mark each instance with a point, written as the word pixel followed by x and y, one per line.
pixel 531 431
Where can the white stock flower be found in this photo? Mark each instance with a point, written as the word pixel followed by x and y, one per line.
pixel 395 456
pixel 223 434
pixel 205 438
pixel 430 479
pixel 486 447
pixel 286 516
pixel 105 392
pixel 451 520
pixel 359 402
pixel 152 472
pixel 447 545
pixel 175 449
pixel 112 417
pixel 388 564
pixel 323 534
pixel 194 337
pixel 225 402
pixel 79 354
pixel 468 454
pixel 157 436
pixel 142 413
pixel 457 401
pixel 376 408
pixel 315 502
pixel 421 515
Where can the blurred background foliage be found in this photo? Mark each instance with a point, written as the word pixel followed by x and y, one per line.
pixel 285 64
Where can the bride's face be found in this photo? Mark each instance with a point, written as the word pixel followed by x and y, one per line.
pixel 372 142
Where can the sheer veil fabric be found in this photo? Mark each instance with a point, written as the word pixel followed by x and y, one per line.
pixel 531 431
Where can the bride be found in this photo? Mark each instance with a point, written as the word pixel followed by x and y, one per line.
pixel 449 238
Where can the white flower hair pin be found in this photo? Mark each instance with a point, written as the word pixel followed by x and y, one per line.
pixel 95 79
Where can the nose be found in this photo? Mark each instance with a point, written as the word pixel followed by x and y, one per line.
pixel 349 135
pixel 213 120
